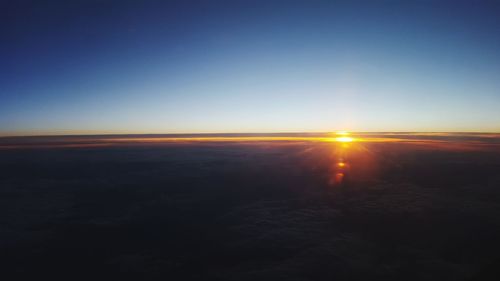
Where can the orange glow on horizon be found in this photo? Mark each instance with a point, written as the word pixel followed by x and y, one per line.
pixel 343 140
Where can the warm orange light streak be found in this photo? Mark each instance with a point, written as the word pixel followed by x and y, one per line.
pixel 217 139
pixel 343 141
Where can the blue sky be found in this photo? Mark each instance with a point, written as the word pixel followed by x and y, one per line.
pixel 248 66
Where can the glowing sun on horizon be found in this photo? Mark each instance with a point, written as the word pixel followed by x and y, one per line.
pixel 344 139
pixel 343 136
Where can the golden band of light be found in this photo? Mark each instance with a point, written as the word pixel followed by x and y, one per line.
pixel 342 138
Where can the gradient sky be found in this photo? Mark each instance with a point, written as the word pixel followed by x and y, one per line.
pixel 70 67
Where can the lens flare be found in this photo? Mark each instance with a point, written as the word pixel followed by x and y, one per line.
pixel 339 177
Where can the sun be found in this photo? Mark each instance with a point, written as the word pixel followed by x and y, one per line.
pixel 344 139
pixel 343 136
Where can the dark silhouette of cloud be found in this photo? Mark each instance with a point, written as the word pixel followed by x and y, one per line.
pixel 250 211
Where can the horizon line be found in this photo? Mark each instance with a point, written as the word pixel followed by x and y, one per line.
pixel 240 133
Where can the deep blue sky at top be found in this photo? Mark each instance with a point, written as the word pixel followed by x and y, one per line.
pixel 98 66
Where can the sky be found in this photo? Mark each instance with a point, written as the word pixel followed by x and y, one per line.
pixel 98 66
